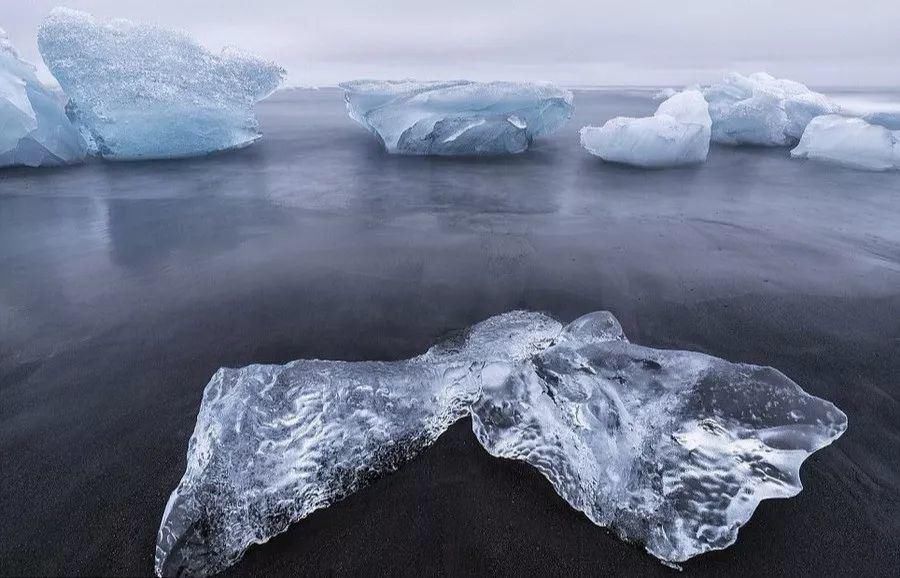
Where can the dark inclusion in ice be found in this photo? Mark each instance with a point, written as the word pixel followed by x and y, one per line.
pixel 671 449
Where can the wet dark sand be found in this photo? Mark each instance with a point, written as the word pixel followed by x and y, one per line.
pixel 124 287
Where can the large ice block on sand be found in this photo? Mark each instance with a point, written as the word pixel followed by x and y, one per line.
pixel 274 443
pixel 850 142
pixel 139 92
pixel 678 134
pixel 457 117
pixel 669 448
pixel 762 110
pixel 34 129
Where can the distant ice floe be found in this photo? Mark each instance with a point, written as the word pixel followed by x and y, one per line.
pixel 34 129
pixel 671 449
pixel 762 110
pixel 850 142
pixel 140 92
pixel 457 117
pixel 677 134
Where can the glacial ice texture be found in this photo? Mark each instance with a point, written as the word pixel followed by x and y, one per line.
pixel 141 92
pixel 457 117
pixel 677 134
pixel 762 110
pixel 274 443
pixel 850 142
pixel 672 449
pixel 34 129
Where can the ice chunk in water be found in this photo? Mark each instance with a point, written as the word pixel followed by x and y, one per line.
pixel 851 142
pixel 762 110
pixel 274 443
pixel 671 449
pixel 34 129
pixel 678 134
pixel 140 92
pixel 457 117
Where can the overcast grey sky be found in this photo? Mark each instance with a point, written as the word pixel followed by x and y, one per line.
pixel 574 42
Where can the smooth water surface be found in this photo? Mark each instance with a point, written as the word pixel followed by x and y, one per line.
pixel 123 287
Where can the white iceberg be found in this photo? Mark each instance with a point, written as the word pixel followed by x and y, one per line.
pixel 141 92
pixel 457 117
pixel 669 448
pixel 850 142
pixel 762 110
pixel 34 129
pixel 677 134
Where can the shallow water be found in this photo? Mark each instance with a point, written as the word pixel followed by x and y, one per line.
pixel 123 287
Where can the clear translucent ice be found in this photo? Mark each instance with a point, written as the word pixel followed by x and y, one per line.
pixel 762 110
pixel 34 129
pixel 274 443
pixel 850 142
pixel 668 448
pixel 677 134
pixel 139 92
pixel 457 117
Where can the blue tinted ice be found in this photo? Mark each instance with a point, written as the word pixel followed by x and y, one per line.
pixel 457 117
pixel 138 91
pixel 669 448
pixel 34 129
pixel 677 134
pixel 762 110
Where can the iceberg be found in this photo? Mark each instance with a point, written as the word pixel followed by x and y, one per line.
pixel 672 449
pixel 762 110
pixel 142 92
pixel 457 117
pixel 850 142
pixel 34 129
pixel 677 134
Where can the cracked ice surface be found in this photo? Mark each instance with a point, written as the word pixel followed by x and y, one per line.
pixel 457 117
pixel 34 129
pixel 274 443
pixel 140 92
pixel 671 449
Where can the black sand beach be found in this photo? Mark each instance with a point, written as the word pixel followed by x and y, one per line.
pixel 123 287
